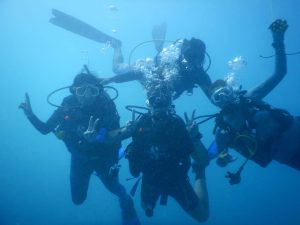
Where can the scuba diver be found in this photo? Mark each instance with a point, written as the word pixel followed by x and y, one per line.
pixel 180 64
pixel 88 108
pixel 252 127
pixel 161 150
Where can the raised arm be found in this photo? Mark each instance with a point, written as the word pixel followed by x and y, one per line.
pixel 118 65
pixel 204 82
pixel 199 152
pixel 200 156
pixel 278 29
pixel 42 127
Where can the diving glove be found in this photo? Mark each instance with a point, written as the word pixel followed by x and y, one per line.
pixel 278 28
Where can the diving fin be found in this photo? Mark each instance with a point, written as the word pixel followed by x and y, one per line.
pixel 79 27
pixel 159 35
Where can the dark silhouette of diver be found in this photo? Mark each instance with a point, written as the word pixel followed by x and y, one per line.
pixel 160 152
pixel 88 109
pixel 252 127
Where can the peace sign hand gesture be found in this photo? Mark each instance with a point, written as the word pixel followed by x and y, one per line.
pixel 192 126
pixel 91 133
pixel 26 106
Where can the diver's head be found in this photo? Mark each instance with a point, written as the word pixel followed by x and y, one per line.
pixel 222 94
pixel 87 88
pixel 160 103
pixel 192 54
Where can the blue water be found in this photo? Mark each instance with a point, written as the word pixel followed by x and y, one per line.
pixel 37 57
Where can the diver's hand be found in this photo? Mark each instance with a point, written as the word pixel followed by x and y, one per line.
pixel 224 158
pixel 121 133
pixel 90 134
pixel 26 106
pixel 192 126
pixel 130 126
pixel 278 28
pixel 234 178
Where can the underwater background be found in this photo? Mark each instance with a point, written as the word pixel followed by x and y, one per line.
pixel 38 57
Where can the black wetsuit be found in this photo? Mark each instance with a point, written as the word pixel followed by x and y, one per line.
pixel 69 123
pixel 162 154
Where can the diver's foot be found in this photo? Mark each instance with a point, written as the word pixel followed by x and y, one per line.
pixel 129 216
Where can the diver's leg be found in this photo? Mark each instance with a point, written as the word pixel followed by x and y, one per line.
pixel 158 35
pixel 79 178
pixel 110 179
pixel 111 182
pixel 118 65
pixel 194 202
pixel 149 196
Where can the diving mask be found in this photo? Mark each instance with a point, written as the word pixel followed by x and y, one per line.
pixel 87 90
pixel 223 94
pixel 159 101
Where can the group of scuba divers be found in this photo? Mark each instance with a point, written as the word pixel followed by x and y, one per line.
pixel 164 147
